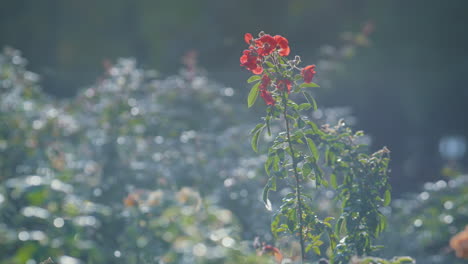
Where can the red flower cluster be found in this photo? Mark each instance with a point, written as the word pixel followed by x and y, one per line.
pixel 251 61
pixel 308 73
pixel 263 46
pixel 267 49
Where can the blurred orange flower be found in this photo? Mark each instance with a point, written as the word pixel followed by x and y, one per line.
pixel 267 249
pixel 460 243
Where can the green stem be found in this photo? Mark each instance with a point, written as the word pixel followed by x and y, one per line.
pixel 296 176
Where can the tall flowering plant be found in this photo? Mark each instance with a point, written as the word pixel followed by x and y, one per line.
pixel 304 156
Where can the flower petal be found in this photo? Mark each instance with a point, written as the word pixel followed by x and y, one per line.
pixel 248 38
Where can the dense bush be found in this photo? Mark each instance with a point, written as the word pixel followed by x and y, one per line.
pixel 68 165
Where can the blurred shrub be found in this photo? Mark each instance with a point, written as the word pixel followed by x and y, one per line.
pixel 69 170
pixel 422 224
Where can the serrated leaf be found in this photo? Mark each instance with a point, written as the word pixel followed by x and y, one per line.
pixel 388 198
pixel 313 148
pixel 254 78
pixel 253 94
pixel 309 85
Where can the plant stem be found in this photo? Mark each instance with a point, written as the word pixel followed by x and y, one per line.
pixel 296 176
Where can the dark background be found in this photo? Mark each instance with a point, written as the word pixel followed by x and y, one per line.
pixel 407 89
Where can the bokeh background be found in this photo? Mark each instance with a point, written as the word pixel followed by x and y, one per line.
pixel 395 69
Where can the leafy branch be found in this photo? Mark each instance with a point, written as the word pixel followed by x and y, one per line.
pixel 327 158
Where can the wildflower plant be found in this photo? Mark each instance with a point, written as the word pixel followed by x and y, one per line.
pixel 305 156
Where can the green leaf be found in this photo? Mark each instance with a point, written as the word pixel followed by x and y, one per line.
pixel 255 138
pixel 304 106
pixel 332 239
pixel 307 85
pixel 266 201
pixel 291 220
pixel 269 162
pixel 300 123
pixel 313 148
pixel 254 78
pixel 388 198
pixel 311 100
pixel 276 162
pixel 402 260
pixel 257 127
pixel 272 183
pixel 275 225
pixel 313 247
pixel 306 170
pixel 322 181
pixel 333 181
pixel 269 64
pixel 339 226
pixel 253 94
pixel 383 223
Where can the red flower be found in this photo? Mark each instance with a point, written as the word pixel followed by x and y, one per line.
pixel 265 82
pixel 266 44
pixel 308 73
pixel 251 61
pixel 284 85
pixel 283 45
pixel 248 38
pixel 267 97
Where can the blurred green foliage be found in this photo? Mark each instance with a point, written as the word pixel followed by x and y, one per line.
pixel 412 71
pixel 428 220
pixel 101 178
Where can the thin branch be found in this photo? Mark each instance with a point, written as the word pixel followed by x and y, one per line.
pixel 296 176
